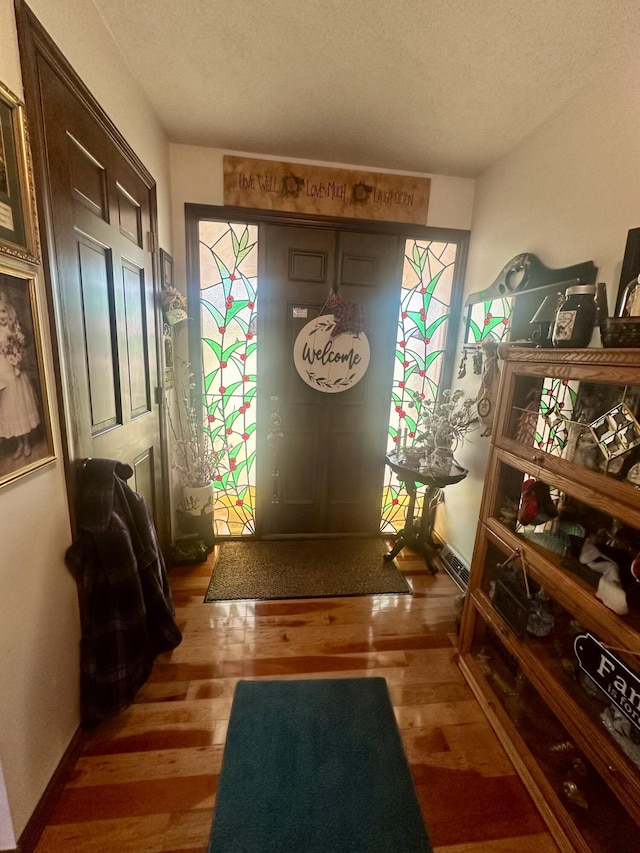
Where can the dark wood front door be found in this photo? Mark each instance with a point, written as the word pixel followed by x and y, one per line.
pixel 324 474
pixel 101 206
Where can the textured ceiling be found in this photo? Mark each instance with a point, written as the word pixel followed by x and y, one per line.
pixel 442 86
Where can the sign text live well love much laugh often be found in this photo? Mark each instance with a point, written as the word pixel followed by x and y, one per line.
pixel 325 191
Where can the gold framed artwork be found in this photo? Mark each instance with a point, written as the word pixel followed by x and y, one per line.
pixel 26 441
pixel 18 229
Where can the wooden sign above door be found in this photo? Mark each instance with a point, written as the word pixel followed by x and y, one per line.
pixel 325 191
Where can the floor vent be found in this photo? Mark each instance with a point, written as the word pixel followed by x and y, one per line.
pixel 455 566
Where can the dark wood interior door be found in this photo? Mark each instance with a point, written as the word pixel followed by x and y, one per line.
pixel 101 209
pixel 324 475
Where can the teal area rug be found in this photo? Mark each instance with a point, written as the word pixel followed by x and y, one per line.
pixel 315 766
pixel 304 568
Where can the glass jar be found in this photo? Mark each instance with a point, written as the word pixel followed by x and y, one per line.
pixel 576 317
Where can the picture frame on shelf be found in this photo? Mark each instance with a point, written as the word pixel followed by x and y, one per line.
pixel 26 441
pixel 630 266
pixel 18 225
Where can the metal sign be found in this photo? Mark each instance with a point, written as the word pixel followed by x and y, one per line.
pixel 326 363
pixel 618 682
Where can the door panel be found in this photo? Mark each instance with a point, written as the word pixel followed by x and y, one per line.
pixel 326 473
pixel 88 179
pixel 101 213
pixel 369 275
pixel 96 340
pixel 137 362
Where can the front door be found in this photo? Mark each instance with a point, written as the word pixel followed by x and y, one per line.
pixel 322 454
pixel 101 206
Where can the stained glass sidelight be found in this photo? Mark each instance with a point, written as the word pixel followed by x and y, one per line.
pixel 427 283
pixel 228 291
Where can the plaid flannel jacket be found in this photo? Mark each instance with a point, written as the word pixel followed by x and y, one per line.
pixel 126 609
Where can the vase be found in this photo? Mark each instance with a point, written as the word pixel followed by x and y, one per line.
pixel 441 461
pixel 198 499
pixel 197 512
pixel 414 455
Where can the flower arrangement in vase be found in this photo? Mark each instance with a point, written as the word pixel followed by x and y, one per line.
pixel 194 456
pixel 444 423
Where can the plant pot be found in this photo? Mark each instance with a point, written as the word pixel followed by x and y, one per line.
pixel 413 456
pixel 197 512
pixel 441 461
pixel 197 499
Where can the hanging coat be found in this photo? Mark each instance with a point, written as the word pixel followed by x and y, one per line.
pixel 126 609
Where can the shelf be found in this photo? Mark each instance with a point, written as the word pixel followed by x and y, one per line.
pixel 583 486
pixel 570 589
pixel 540 741
pixel 570 421
pixel 544 796
pixel 578 710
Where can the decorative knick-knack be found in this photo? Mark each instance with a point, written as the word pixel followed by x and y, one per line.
pixel 630 302
pixel 576 317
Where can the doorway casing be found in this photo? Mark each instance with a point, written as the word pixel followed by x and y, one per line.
pixel 266 220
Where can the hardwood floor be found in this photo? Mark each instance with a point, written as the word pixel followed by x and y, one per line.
pixel 146 781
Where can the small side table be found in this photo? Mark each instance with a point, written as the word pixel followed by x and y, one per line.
pixel 418 535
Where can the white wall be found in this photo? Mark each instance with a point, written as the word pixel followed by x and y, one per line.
pixel 39 623
pixel 569 193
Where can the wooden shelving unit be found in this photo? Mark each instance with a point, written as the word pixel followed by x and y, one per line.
pixel 552 715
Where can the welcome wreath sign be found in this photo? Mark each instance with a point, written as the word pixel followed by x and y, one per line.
pixel 330 364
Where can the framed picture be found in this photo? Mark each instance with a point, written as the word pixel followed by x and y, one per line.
pixel 25 427
pixel 166 270
pixel 173 302
pixel 630 265
pixel 18 231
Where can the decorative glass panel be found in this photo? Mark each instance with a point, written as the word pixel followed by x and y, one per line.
pixel 557 403
pixel 228 291
pixel 427 282
pixel 488 321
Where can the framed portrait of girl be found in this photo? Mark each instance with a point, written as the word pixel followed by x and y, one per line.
pixel 25 425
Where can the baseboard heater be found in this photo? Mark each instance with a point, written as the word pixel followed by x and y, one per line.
pixel 455 566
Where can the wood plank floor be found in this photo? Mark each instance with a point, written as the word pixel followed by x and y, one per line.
pixel 146 782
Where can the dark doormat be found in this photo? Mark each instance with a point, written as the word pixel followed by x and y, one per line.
pixel 309 568
pixel 313 766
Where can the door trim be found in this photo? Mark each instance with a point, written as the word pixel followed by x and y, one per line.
pixel 194 213
pixel 34 41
